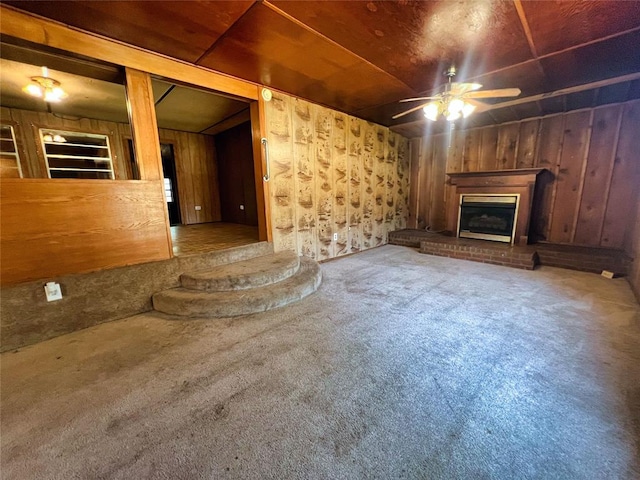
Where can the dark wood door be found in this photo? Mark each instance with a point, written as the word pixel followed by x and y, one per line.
pixel 234 152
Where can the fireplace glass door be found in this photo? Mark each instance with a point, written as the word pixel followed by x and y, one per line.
pixel 488 217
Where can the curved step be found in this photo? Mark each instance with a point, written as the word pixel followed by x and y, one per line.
pixel 194 303
pixel 252 273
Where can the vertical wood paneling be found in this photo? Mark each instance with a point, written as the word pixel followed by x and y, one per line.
pixel 550 146
pixel 403 178
pixel 415 176
pixel 527 143
pixel 196 173
pixel 507 148
pixel 623 194
pixel 593 181
pixel 426 188
pixel 600 160
pixel 472 161
pixel 438 212
pixel 488 146
pixel 568 182
pixel 455 163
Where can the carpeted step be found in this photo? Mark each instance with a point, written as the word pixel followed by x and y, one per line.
pixel 195 303
pixel 252 273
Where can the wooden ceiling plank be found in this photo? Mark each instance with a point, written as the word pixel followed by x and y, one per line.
pixel 224 34
pixel 327 39
pixel 25 26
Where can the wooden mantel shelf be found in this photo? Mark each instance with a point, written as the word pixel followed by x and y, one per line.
pixel 519 176
pixel 521 181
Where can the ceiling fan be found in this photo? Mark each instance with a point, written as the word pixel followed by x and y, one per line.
pixel 457 100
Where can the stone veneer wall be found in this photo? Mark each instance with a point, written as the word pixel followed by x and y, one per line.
pixel 333 173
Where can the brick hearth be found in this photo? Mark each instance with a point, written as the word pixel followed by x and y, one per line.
pixel 526 257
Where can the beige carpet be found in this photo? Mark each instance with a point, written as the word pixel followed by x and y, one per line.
pixel 402 365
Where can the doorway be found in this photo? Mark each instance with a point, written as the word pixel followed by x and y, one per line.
pixel 170 183
pixel 234 155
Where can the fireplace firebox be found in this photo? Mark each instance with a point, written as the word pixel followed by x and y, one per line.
pixel 488 217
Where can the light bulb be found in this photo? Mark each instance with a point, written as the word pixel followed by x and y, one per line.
pixel 59 139
pixel 431 111
pixel 453 116
pixel 455 106
pixel 33 89
pixel 467 109
pixel 47 137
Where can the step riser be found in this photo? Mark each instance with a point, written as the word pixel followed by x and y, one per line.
pixel 198 304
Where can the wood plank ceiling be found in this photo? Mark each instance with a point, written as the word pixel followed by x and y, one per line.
pixel 362 57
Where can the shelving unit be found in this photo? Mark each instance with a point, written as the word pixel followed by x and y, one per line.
pixel 77 155
pixel 9 157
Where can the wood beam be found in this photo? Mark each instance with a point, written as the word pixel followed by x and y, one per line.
pixel 53 34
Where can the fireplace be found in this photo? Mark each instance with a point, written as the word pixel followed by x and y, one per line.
pixel 488 217
pixel 493 205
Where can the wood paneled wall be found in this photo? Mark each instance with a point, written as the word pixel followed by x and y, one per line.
pixel 194 155
pixel 26 124
pixel 51 228
pixel 333 173
pixel 197 175
pixel 592 155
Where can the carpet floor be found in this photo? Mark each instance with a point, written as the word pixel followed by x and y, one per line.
pixel 402 365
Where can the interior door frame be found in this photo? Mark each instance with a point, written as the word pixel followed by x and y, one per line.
pixel 258 132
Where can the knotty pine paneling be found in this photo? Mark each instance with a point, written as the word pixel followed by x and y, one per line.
pixel 333 174
pixel 592 157
pixel 53 228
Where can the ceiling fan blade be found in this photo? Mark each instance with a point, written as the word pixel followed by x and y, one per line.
pixel 410 110
pixel 480 106
pixel 501 92
pixel 418 98
pixel 460 88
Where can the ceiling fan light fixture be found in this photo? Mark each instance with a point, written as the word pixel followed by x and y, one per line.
pixel 45 87
pixel 432 111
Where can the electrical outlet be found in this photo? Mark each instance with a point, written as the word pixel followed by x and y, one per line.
pixel 52 291
pixel 335 237
pixel 198 207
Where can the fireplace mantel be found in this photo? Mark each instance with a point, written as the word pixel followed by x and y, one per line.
pixel 521 181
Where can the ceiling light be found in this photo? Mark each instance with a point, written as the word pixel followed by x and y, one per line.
pixel 45 87
pixel 450 107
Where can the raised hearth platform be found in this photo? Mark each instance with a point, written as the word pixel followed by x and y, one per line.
pixel 586 259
